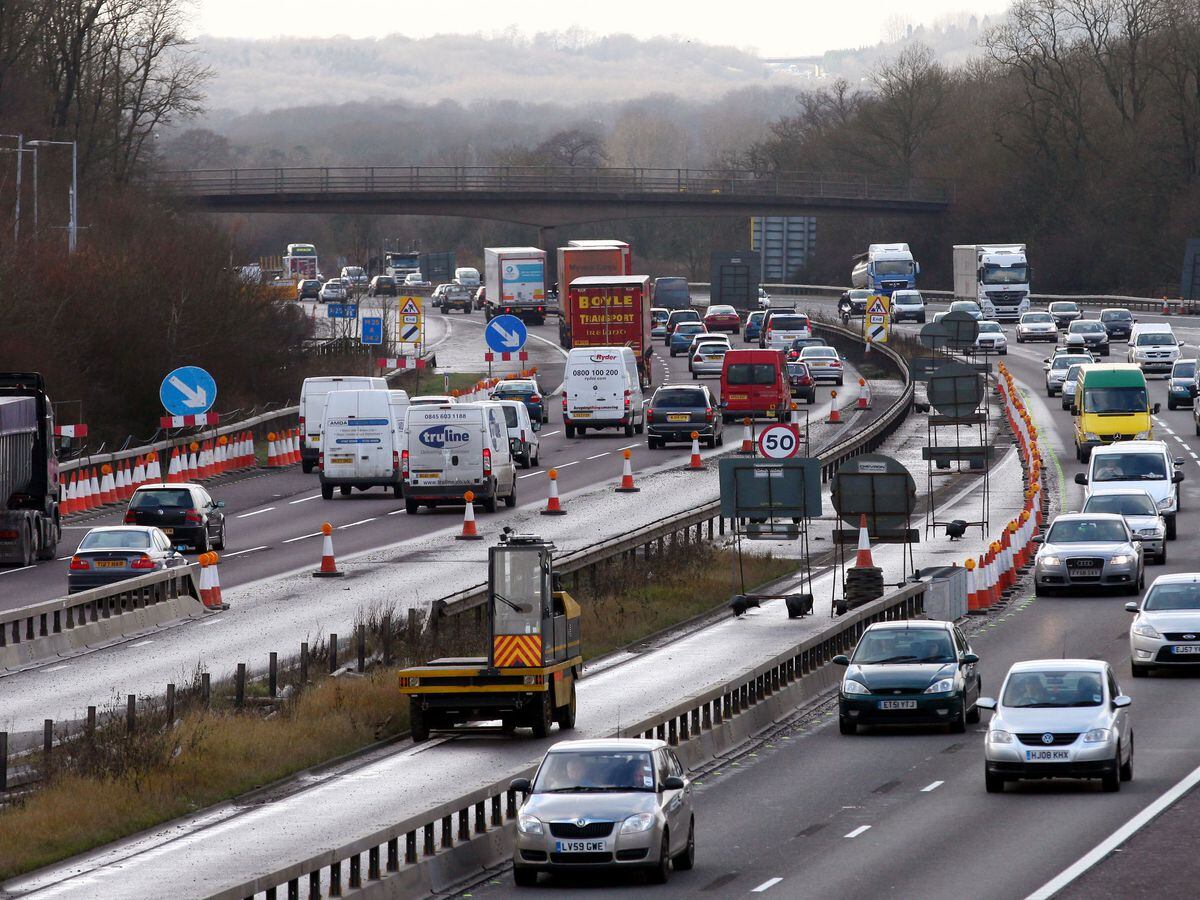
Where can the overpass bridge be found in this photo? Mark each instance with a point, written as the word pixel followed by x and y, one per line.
pixel 549 196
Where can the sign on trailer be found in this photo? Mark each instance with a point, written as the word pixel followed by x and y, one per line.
pixel 408 328
pixel 779 441
pixel 188 390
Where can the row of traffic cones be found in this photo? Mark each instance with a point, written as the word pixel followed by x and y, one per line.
pixel 283 449
pixel 481 388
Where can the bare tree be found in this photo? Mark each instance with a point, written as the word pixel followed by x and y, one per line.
pixel 574 147
pixel 907 110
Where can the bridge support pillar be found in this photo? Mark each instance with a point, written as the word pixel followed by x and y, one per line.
pixel 548 241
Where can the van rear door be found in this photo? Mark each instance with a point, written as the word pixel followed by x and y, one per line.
pixel 595 386
pixel 358 436
pixel 445 444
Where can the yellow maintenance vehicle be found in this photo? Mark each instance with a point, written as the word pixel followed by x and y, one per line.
pixel 534 656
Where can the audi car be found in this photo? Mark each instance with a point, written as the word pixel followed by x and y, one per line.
pixel 722 318
pixel 1094 334
pixel 1089 552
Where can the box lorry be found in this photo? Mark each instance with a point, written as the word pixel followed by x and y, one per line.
pixel 595 258
pixel 996 276
pixel 611 311
pixel 515 282
pixel 438 268
pixel 885 268
pixel 29 488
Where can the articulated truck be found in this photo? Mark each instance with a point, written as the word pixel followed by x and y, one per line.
pixel 29 487
pixel 996 276
pixel 885 268
pixel 587 259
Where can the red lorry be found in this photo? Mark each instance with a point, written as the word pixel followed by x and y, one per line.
pixel 582 259
pixel 611 311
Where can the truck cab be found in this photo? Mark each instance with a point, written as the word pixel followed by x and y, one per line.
pixel 885 268
pixel 997 277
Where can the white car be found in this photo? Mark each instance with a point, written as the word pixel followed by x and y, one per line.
pixel 991 339
pixel 1058 718
pixel 1141 515
pixel 523 437
pixel 1166 629
pixel 908 305
pixel 764 299
pixel 705 337
pixel 1069 384
pixel 415 279
pixel 1059 364
pixel 824 364
pixel 970 307
pixel 1142 464
pixel 1036 326
pixel 333 292
pixel 1153 347
pixel 708 359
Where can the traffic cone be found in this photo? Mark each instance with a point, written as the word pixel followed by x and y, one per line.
pixel 80 502
pixel 328 568
pixel 173 467
pixel 214 583
pixel 124 482
pixel 272 452
pixel 67 500
pixel 139 472
pixel 153 467
pixel 469 533
pixel 626 486
pixel 862 559
pixel 553 506
pixel 864 398
pixel 747 437
pixel 94 487
pixel 192 465
pixel 696 464
pixel 294 441
pixel 205 581
pixel 107 486
pixel 835 417
pixel 972 589
pixel 1166 307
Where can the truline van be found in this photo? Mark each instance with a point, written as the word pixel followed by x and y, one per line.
pixel 450 449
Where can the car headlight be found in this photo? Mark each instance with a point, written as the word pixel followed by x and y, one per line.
pixel 941 686
pixel 996 736
pixel 530 825
pixel 849 686
pixel 1095 736
pixel 1166 503
pixel 637 824
pixel 1121 559
pixel 1150 532
pixel 1142 436
pixel 1145 629
pixel 1090 436
pixel 1049 561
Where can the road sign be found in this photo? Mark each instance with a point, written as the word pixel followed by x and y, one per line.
pixel 187 390
pixel 410 306
pixel 408 326
pixel 878 305
pixel 506 334
pixel 372 330
pixel 341 310
pixel 877 332
pixel 779 441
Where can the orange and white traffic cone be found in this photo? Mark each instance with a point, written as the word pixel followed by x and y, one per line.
pixel 79 491
pixel 97 498
pixel 747 437
pixel 107 486
pixel 553 506
pixel 191 464
pixel 295 445
pixel 328 567
pixel 696 464
pixel 864 394
pixel 153 467
pixel 205 581
pixel 67 499
pixel 175 469
pixel 626 486
pixel 469 532
pixel 124 482
pixel 862 559
pixel 214 583
pixel 835 416
pixel 139 472
pixel 1166 307
pixel 972 591
pixel 272 452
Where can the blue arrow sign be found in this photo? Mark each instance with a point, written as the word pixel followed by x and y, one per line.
pixel 372 330
pixel 505 334
pixel 188 391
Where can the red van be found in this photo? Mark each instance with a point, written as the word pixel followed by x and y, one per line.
pixel 754 383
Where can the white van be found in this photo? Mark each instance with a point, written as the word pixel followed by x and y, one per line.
pixel 1145 465
pixel 601 389
pixel 523 437
pixel 908 305
pixel 1153 347
pixel 359 442
pixel 454 448
pixel 466 276
pixel 312 409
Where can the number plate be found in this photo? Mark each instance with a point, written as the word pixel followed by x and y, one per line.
pixel 1085 573
pixel 1187 650
pixel 897 704
pixel 110 564
pixel 581 415
pixel 341 460
pixel 678 417
pixel 738 397
pixel 168 530
pixel 1047 755
pixel 428 476
pixel 580 846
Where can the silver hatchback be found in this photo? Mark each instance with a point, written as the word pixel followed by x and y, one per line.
pixel 614 804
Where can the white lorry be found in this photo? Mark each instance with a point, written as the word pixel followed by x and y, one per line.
pixel 996 276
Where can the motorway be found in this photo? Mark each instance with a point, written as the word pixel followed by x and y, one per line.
pixel 903 813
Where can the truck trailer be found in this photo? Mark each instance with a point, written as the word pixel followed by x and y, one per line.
pixel 29 488
pixel 588 259
pixel 885 268
pixel 611 311
pixel 515 281
pixel 996 276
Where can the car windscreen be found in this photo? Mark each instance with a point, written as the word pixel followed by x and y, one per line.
pixel 1151 339
pixel 751 373
pixel 1037 317
pixel 1129 467
pixel 688 328
pixel 1086 531
pixel 907 298
pixel 712 349
pixel 721 311
pixel 583 771
pixel 1185 595
pixel 1087 328
pixel 819 353
pixel 990 328
pixel 1121 504
pixel 116 540
pixel 1116 315
pixel 658 316
pixel 684 315
pixel 1063 307
pixel 162 499
pixel 514 389
pixel 679 399
pixel 1065 362
pixel 1184 370
pixel 797 369
pixel 904 645
pixel 1034 690
pixel 859 295
pixel 1116 400
pixel 1073 373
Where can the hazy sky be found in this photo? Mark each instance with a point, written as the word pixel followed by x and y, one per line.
pixel 776 28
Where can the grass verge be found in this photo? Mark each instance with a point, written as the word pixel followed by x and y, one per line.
pixel 114 784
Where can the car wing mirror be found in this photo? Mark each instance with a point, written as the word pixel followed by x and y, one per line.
pixel 986 703
pixel 1176 478
pixel 1156 408
pixel 1080 478
pixel 520 784
pixel 841 660
pixel 969 659
pixel 1038 539
pixel 1131 607
pixel 673 783
pixel 220 504
pixel 1121 701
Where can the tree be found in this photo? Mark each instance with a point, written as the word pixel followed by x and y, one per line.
pixel 907 109
pixel 573 147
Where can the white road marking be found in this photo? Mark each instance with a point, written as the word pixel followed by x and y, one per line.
pixel 859 830
pixel 932 787
pixel 61 558
pixel 629 447
pixel 240 552
pixel 531 474
pixel 396 512
pixel 302 537
pixel 549 433
pixel 212 621
pixel 55 668
pixel 142 643
pixel 22 569
pixel 766 885
pixel 304 499
pixel 257 512
pixel 598 455
pixel 1118 837
pixel 359 522
pixel 564 465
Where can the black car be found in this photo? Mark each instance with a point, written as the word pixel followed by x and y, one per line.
pixel 798 345
pixel 907 673
pixel 1094 334
pixel 382 286
pixel 184 512
pixel 675 412
pixel 308 289
pixel 801 382
pixel 1117 322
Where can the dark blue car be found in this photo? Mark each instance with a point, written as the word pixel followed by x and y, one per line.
pixel 527 391
pixel 752 330
pixel 681 337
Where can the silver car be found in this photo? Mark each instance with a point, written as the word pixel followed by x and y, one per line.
pixel 615 803
pixel 1166 629
pixel 1140 514
pixel 1092 550
pixel 708 358
pixel 1070 382
pixel 1059 718
pixel 1056 367
pixel 1037 326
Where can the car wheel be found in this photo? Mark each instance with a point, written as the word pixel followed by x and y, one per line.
pixel 1162 557
pixel 993 783
pixel 1170 528
pixel 489 503
pixel 1020 340
pixel 418 723
pixel 1171 404
pixel 511 500
pixel 847 726
pixel 570 431
pixel 534 462
pixel 565 714
pixel 1139 671
pixel 1040 590
pixel 1126 770
pixel 629 431
pixel 661 872
pixel 326 491
pixel 640 428
pixel 411 507
pixel 973 714
pixel 204 545
pixel 344 490
pixel 710 443
pixel 524 876
pixel 220 544
pixel 959 724
pixel 687 859
pixel 651 443
pixel 307 467
pixel 543 717
pixel 1110 782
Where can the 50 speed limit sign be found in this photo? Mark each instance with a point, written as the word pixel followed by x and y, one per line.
pixel 779 441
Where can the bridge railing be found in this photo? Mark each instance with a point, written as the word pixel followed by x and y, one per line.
pixel 553 179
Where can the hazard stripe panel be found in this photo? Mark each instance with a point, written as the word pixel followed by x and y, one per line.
pixel 517 650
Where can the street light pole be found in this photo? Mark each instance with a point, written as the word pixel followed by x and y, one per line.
pixel 73 226
pixel 17 205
